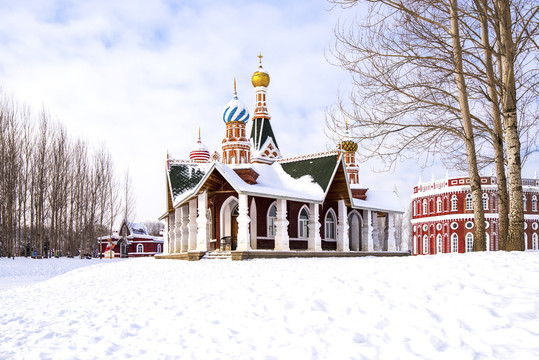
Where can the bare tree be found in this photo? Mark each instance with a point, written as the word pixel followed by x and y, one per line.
pixel 128 198
pixel 403 60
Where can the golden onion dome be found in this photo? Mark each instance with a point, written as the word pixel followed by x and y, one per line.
pixel 349 146
pixel 260 76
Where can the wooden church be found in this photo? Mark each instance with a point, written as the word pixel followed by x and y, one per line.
pixel 251 202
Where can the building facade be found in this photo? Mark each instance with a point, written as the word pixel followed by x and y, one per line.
pixel 132 240
pixel 443 220
pixel 251 199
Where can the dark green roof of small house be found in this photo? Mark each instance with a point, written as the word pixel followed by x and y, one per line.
pixel 184 177
pixel 320 169
pixel 261 131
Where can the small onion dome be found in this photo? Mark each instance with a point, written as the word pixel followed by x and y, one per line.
pixel 199 153
pixel 235 110
pixel 349 146
pixel 260 77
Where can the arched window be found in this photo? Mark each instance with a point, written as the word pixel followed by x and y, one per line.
pixel 469 242
pixel 454 243
pixel 431 205
pixel 439 205
pixel 485 201
pixel 487 242
pixel 469 205
pixel 159 248
pixel 534 241
pixel 272 219
pixel 140 248
pixel 534 203
pixel 524 200
pixel 303 223
pixel 439 246
pixel 425 244
pixel 454 201
pixel 425 207
pixel 329 224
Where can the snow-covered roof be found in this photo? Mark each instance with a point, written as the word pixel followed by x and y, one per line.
pixel 301 180
pixel 136 228
pixel 184 176
pixel 377 200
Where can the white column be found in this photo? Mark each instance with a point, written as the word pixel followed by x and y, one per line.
pixel 366 238
pixel 315 240
pixel 391 242
pixel 171 235
pixel 177 231
pixel 165 236
pixel 184 228
pixel 192 225
pixel 254 230
pixel 343 244
pixel 375 232
pixel 282 241
pixel 202 223
pixel 244 238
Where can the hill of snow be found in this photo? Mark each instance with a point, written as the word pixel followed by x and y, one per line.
pixel 452 306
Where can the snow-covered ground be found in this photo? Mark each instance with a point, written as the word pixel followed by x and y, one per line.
pixel 452 306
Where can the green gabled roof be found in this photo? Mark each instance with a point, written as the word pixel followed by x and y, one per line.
pixel 184 177
pixel 260 131
pixel 320 169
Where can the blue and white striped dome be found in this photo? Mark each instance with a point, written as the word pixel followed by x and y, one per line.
pixel 235 110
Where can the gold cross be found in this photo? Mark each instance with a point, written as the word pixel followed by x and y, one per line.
pixel 260 58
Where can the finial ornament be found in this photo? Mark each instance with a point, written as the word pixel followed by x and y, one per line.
pixel 235 93
pixel 199 133
pixel 260 58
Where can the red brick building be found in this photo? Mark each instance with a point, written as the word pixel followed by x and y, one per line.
pixel 132 240
pixel 443 220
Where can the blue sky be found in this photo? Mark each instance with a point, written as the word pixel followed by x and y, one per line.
pixel 143 76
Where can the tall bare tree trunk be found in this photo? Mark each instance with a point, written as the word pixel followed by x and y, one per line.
pixel 515 237
pixel 475 179
pixel 497 136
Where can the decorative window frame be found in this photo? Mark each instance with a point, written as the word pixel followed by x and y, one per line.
pixel 535 241
pixel 454 225
pixel 425 207
pixel 469 242
pixel 469 202
pixel 469 225
pixel 454 243
pixel 140 248
pixel 525 201
pixel 484 197
pixel 303 224
pixel 271 227
pixel 534 203
pixel 439 204
pixel 425 244
pixel 454 202
pixel 439 244
pixel 330 225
